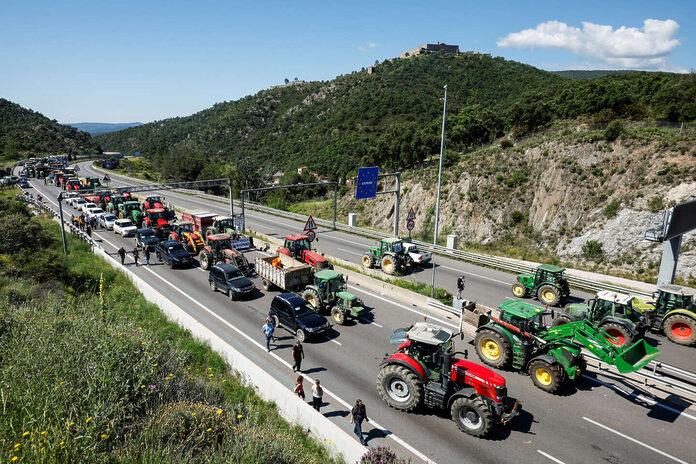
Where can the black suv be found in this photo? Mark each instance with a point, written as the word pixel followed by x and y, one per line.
pixel 298 316
pixel 172 253
pixel 145 238
pixel 228 278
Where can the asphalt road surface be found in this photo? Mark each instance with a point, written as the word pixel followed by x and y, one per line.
pixel 603 419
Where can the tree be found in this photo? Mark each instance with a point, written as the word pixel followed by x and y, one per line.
pixel 287 81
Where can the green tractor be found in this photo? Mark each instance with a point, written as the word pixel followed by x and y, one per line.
pixel 131 210
pixel 548 284
pixel 329 291
pixel 112 202
pixel 551 356
pixel 610 311
pixel 389 255
pixel 673 312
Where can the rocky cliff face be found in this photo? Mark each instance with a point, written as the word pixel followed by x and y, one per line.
pixel 555 194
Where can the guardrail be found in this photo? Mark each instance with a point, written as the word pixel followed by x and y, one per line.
pixel 476 258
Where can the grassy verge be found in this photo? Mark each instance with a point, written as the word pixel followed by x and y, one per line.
pixel 91 372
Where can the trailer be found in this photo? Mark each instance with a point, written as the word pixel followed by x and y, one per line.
pixel 283 272
pixel 207 223
pixel 200 220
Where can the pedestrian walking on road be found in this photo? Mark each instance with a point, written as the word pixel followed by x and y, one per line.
pixel 357 415
pixel 317 394
pixel 299 387
pixel 297 356
pixel 136 255
pixel 122 254
pixel 89 231
pixel 146 254
pixel 267 330
pixel 460 286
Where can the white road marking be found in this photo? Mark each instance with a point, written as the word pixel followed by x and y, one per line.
pixel 371 322
pixel 475 275
pixel 546 455
pixel 348 251
pixel 634 440
pixel 287 364
pixel 641 397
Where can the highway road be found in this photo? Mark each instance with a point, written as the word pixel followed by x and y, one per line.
pixel 604 419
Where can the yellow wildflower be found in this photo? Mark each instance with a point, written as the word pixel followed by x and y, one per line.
pixel 209 429
pixel 16 445
pixel 219 411
pixel 142 386
pixel 193 414
pixel 88 419
pixel 239 416
pixel 14 458
pixel 104 435
pixel 61 442
pixel 25 434
pixel 43 433
pixel 72 423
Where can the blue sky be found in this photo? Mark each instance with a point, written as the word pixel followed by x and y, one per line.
pixel 123 61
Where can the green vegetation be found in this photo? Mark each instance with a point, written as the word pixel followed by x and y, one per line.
pixel 392 117
pixel 23 131
pixel 592 249
pixel 91 372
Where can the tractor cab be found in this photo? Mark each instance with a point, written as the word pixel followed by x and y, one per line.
pixel 224 222
pixel 218 242
pixel 612 304
pixel 671 297
pixel 392 244
pixel 299 247
pixel 154 201
pixel 428 344
pixel 328 291
pixel 329 281
pixel 183 227
pixel 524 316
pixel 548 273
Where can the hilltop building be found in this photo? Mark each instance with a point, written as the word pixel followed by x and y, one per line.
pixel 430 48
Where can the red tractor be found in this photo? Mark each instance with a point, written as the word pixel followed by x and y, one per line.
pixel 152 202
pixel 218 249
pixel 299 247
pixel 156 219
pixel 424 371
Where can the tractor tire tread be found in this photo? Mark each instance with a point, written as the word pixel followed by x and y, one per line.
pixel 481 407
pixel 411 379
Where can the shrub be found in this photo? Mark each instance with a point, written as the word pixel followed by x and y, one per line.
pixel 612 208
pixel 381 455
pixel 505 143
pixel 593 251
pixel 613 131
pixel 516 217
pixel 656 204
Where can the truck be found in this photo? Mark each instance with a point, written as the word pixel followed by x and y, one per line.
pixel 283 272
pixel 517 338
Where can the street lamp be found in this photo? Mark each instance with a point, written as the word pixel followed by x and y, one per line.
pixel 439 181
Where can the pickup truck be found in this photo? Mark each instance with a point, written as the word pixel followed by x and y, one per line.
pixel 284 272
pixel 172 253
pixel 298 316
pixel 414 255
pixel 145 238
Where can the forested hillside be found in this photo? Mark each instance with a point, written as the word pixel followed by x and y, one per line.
pixel 392 117
pixel 25 131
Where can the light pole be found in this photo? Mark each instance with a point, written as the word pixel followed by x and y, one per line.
pixel 439 181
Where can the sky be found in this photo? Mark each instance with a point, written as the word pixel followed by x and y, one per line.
pixel 127 61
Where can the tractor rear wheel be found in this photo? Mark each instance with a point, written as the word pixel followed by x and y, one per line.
pixel 472 416
pixel 562 319
pixel 617 331
pixel 545 376
pixel 681 329
pixel 312 296
pixel 338 315
pixel 388 264
pixel 205 259
pixel 519 290
pixel 549 295
pixel 399 387
pixel 492 348
pixel 367 260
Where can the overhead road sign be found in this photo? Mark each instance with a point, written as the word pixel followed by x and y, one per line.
pixel 367 183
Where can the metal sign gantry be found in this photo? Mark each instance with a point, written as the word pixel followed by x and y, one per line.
pixel 197 184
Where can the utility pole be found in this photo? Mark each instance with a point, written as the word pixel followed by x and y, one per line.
pixel 439 182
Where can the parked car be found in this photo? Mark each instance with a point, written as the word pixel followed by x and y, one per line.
pixel 145 238
pixel 107 220
pixel 70 197
pixel 415 255
pixel 24 184
pixel 124 227
pixel 85 207
pixel 95 212
pixel 298 316
pixel 78 203
pixel 228 278
pixel 172 253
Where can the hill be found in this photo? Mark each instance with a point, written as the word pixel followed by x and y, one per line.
pixel 25 131
pixel 391 117
pixel 590 74
pixel 98 128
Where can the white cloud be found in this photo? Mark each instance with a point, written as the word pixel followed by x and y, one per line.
pixel 367 45
pixel 626 47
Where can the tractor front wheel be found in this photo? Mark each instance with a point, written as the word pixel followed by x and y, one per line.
pixel 518 290
pixel 549 295
pixel 681 329
pixel 620 334
pixel 399 387
pixel 338 315
pixel 388 264
pixel 561 319
pixel 545 376
pixel 492 348
pixel 472 416
pixel 368 261
pixel 205 259
pixel 312 296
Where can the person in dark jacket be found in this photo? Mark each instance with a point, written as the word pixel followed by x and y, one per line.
pixel 146 254
pixel 357 415
pixel 136 255
pixel 460 286
pixel 297 356
pixel 122 254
